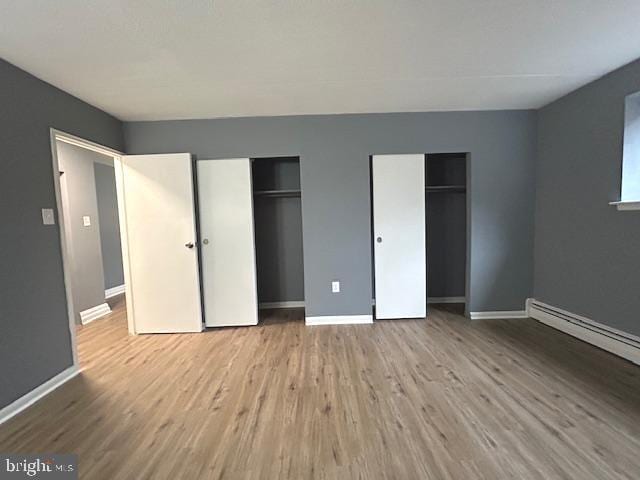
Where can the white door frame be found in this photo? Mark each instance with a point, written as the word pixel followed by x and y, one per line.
pixel 124 243
pixel 56 136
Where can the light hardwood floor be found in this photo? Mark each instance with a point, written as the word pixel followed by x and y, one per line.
pixel 444 398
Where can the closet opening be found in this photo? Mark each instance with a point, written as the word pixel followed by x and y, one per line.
pixel 446 220
pixel 278 233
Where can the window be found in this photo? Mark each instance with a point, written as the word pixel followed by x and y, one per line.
pixel 630 192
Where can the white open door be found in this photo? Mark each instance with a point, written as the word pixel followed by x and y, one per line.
pixel 157 216
pixel 225 200
pixel 399 236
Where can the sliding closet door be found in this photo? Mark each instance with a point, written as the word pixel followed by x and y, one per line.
pixel 159 242
pixel 228 248
pixel 399 236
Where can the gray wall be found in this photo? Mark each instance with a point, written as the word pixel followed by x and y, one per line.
pixel 79 199
pixel 279 257
pixel 35 342
pixel 105 182
pixel 446 244
pixel 334 154
pixel 587 258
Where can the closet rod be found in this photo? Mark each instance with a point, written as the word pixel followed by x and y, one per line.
pixel 277 193
pixel 445 188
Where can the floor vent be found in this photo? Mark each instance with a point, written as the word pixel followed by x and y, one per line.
pixel 615 341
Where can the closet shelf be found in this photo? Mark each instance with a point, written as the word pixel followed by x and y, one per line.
pixel 445 188
pixel 277 193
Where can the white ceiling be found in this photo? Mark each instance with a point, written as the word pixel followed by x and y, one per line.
pixel 152 59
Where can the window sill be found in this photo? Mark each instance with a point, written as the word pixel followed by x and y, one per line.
pixel 626 205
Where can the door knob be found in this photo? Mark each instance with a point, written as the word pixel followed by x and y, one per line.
pixel 379 239
pixel 189 245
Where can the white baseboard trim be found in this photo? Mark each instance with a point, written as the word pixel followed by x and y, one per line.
pixel 615 341
pixel 446 300
pixel 112 292
pixel 339 320
pixel 293 304
pixel 499 315
pixel 91 314
pixel 37 393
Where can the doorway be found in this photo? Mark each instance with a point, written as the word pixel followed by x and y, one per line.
pixel 87 209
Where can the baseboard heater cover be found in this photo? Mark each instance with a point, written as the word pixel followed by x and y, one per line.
pixel 498 315
pixel 113 291
pixel 607 338
pixel 93 313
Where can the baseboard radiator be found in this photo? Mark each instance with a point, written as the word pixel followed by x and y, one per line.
pixel 610 339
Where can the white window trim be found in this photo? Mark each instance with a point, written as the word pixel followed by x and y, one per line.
pixel 629 192
pixel 626 205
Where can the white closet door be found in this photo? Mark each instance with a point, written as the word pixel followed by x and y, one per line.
pixel 399 236
pixel 161 262
pixel 225 197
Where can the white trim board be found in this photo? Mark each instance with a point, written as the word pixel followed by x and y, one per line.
pixel 291 304
pixel 339 320
pixel 124 243
pixel 81 142
pixel 619 343
pixel 498 315
pixel 113 291
pixel 37 393
pixel 626 205
pixel 93 313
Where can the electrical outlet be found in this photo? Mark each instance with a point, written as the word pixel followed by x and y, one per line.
pixel 47 216
pixel 335 287
pixel 86 221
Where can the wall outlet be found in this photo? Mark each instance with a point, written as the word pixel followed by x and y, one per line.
pixel 47 216
pixel 335 287
pixel 86 221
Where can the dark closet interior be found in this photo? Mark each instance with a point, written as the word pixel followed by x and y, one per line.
pixel 278 231
pixel 446 217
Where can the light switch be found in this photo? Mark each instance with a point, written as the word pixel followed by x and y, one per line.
pixel 86 221
pixel 47 216
pixel 335 287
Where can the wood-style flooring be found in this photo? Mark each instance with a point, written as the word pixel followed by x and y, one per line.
pixel 442 398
